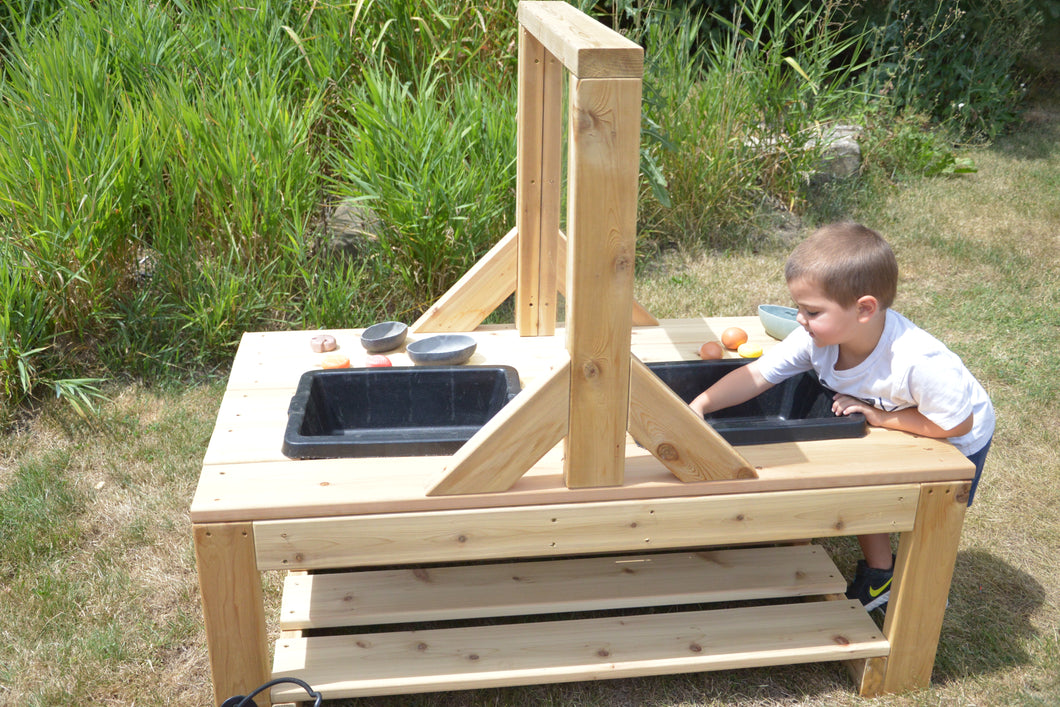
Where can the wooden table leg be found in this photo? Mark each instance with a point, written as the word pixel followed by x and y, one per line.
pixel 233 609
pixel 924 568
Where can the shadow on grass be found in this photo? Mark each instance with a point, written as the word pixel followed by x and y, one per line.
pixel 988 622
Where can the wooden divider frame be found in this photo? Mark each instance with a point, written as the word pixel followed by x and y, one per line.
pixel 593 396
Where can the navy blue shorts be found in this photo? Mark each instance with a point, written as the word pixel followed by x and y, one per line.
pixel 979 459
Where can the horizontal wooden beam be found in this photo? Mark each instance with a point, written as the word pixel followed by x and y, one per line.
pixel 586 47
pixel 579 528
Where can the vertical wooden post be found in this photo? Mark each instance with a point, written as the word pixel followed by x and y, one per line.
pixel 924 568
pixel 604 142
pixel 537 186
pixel 233 609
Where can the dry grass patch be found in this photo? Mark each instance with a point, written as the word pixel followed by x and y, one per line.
pixel 104 608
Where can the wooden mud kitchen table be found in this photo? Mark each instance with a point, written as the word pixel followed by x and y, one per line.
pixel 595 488
pixel 255 510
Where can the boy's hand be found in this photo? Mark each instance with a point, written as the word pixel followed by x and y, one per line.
pixel 848 405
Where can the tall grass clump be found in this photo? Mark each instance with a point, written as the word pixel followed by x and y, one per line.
pixel 422 140
pixel 745 101
pixel 166 171
pixel 437 167
pixel 29 360
pixel 958 63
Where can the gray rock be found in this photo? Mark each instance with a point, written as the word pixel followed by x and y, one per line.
pixel 840 153
pixel 352 228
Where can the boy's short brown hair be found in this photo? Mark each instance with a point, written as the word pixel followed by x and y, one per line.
pixel 847 261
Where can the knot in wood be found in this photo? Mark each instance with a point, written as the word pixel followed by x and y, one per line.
pixel 583 120
pixel 590 369
pixel 667 452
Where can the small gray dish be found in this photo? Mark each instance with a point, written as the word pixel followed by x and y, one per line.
pixel 778 321
pixel 384 336
pixel 443 349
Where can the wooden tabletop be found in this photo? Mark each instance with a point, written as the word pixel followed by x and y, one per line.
pixel 246 477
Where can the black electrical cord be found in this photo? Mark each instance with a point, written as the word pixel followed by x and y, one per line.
pixel 248 700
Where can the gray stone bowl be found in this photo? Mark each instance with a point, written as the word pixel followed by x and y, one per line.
pixel 384 336
pixel 442 350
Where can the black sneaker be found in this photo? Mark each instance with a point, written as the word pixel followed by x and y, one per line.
pixel 871 586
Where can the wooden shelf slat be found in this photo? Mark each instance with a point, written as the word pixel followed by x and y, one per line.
pixel 519 588
pixel 585 649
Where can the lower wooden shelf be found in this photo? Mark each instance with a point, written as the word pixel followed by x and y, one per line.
pixel 373 597
pixel 499 652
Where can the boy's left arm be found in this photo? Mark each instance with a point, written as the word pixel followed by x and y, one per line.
pixel 907 419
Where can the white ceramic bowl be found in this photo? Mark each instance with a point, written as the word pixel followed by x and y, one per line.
pixel 778 321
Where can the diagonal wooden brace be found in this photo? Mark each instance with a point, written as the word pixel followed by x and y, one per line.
pixel 675 435
pixel 480 291
pixel 486 285
pixel 514 440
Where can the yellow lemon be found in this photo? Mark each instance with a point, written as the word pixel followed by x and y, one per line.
pixel 749 350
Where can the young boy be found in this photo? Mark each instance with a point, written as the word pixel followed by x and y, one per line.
pixel 843 279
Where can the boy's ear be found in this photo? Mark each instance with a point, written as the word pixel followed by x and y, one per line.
pixel 867 306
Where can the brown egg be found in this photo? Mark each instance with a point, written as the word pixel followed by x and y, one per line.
pixel 710 351
pixel 733 337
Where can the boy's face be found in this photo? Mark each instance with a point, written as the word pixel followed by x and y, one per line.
pixel 827 322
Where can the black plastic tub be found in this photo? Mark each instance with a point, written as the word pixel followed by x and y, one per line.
pixel 393 412
pixel 796 410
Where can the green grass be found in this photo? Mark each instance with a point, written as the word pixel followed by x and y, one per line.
pixel 168 170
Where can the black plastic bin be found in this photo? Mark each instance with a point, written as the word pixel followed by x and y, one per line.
pixel 795 410
pixel 393 412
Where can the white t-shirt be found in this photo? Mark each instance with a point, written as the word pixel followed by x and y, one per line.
pixel 908 368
